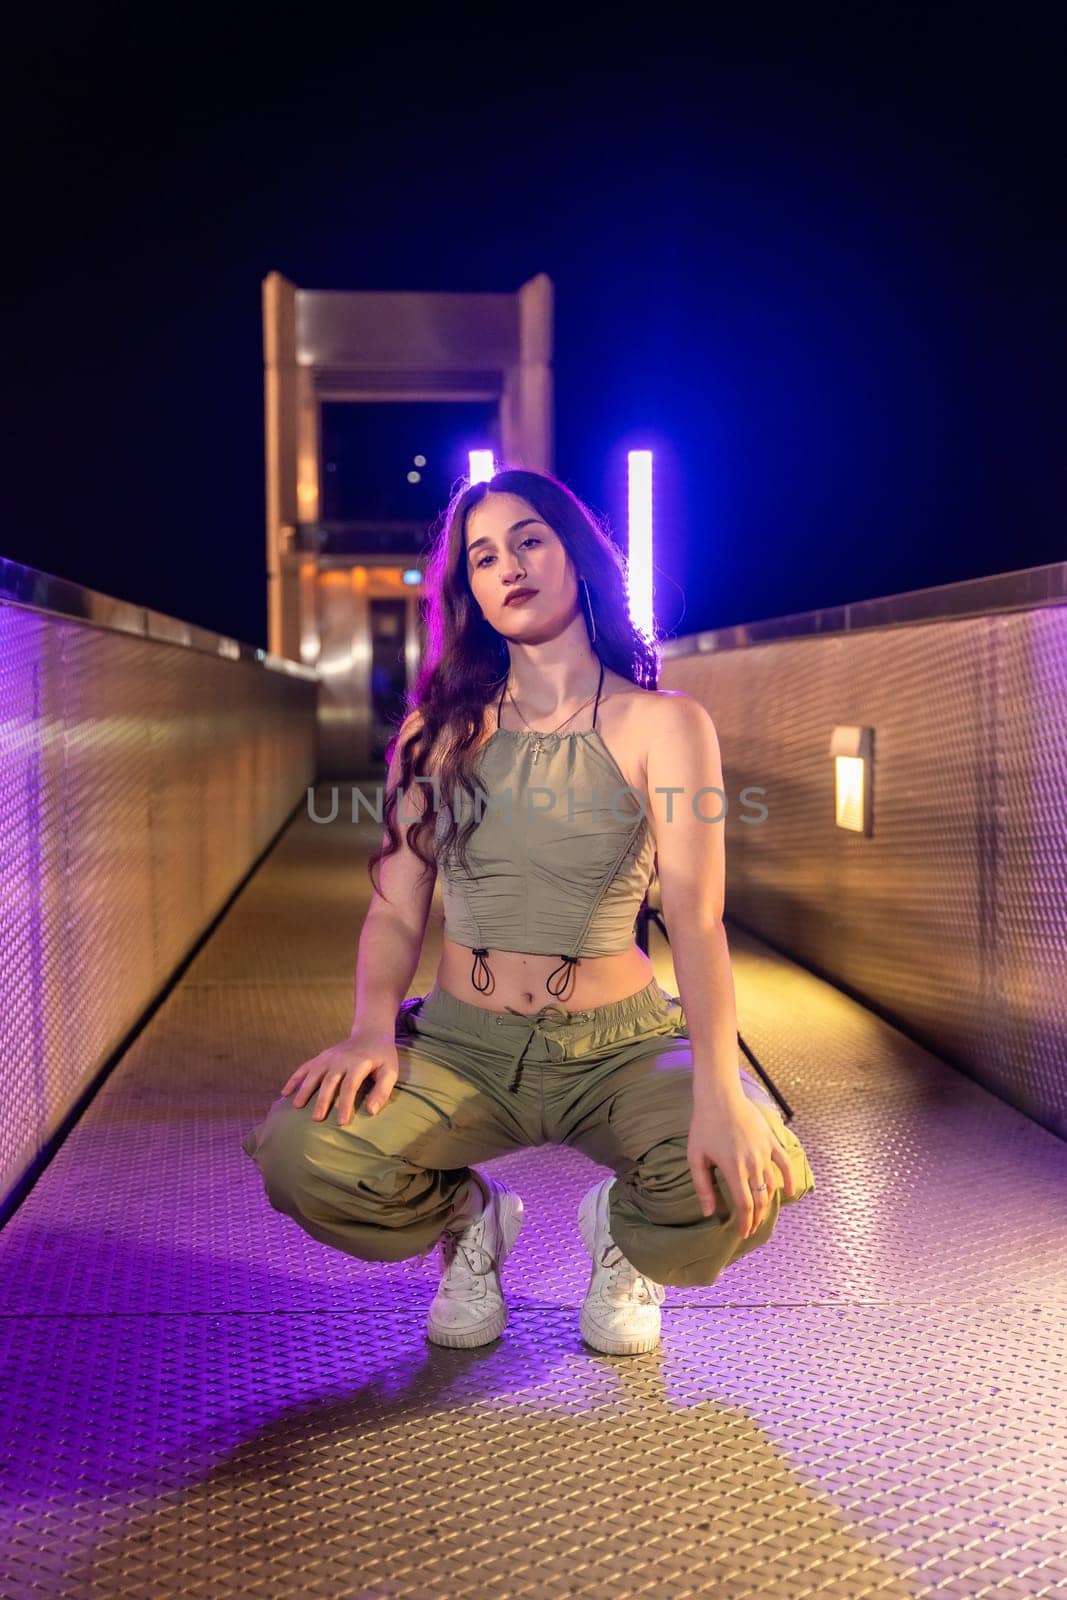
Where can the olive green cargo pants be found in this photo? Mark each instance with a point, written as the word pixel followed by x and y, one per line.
pixel 614 1081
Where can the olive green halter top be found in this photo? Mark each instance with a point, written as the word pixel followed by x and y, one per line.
pixel 561 857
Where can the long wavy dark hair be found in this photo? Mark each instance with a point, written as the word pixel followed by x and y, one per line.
pixel 467 660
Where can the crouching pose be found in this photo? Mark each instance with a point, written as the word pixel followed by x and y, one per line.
pixel 545 777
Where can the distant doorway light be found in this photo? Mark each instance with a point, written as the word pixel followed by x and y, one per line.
pixel 639 523
pixel 412 575
pixel 481 465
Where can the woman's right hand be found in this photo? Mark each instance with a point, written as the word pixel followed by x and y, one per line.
pixel 366 1053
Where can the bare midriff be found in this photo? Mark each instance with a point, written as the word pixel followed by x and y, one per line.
pixel 519 979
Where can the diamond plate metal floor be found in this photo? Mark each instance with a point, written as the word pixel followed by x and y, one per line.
pixel 200 1400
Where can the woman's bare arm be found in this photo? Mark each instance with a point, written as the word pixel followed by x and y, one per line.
pixel 390 943
pixel 687 803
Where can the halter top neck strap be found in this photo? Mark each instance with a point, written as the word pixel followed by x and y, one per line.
pixel 596 703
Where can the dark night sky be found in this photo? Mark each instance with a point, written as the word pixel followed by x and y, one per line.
pixel 816 262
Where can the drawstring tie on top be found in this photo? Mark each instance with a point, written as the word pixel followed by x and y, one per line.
pixel 480 980
pixel 567 965
pixel 481 977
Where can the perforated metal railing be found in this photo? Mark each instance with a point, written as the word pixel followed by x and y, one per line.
pixel 200 1400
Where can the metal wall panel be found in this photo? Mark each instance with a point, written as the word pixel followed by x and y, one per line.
pixel 952 918
pixel 139 780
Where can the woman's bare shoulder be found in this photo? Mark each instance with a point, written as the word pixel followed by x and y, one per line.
pixel 652 710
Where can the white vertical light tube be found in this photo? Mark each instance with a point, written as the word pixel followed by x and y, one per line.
pixel 481 465
pixel 639 521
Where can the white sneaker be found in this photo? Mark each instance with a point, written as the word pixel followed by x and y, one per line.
pixel 469 1308
pixel 621 1315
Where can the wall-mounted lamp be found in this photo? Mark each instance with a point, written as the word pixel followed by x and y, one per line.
pixel 853 753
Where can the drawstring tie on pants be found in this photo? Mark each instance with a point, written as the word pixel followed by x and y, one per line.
pixel 543 1022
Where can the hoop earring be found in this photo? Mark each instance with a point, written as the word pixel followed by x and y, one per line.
pixel 589 609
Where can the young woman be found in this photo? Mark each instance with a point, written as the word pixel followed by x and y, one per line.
pixel 545 777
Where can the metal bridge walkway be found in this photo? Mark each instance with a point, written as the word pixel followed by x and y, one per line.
pixel 200 1400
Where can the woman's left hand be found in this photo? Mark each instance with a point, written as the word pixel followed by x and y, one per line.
pixel 733 1135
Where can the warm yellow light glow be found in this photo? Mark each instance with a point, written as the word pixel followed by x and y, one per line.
pixel 850 774
pixel 310 638
pixel 852 747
